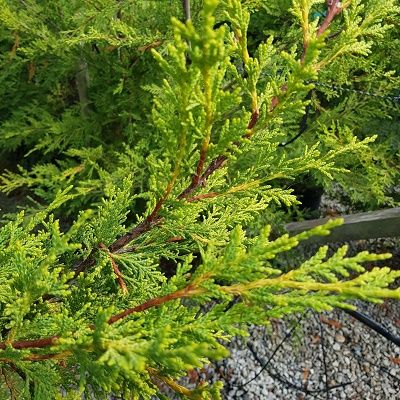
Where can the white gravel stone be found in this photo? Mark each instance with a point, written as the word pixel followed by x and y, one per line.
pixel 336 347
pixel 340 338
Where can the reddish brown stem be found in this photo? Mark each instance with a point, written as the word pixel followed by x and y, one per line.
pixel 253 119
pixel 150 221
pixel 200 166
pixel 43 357
pixel 188 291
pixel 27 344
pixel 82 266
pixel 141 228
pixel 202 196
pixel 116 270
pixel 334 8
pixel 149 46
pixel 216 163
pixel 175 239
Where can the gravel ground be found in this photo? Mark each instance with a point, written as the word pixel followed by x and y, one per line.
pixel 321 356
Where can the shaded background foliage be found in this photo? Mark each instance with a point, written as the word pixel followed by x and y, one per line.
pixel 52 51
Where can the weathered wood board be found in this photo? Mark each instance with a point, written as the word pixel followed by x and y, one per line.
pixel 366 225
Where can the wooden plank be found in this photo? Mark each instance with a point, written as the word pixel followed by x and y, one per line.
pixel 366 225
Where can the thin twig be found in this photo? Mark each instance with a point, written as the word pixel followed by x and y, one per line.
pixel 217 162
pixel 209 117
pixel 334 8
pixel 33 343
pixel 82 84
pixel 116 270
pixel 43 357
pixel 186 9
pixel 139 229
pixel 9 385
pixel 176 387
pixel 83 265
pixel 153 219
pixel 175 239
pixel 188 291
pixel 209 195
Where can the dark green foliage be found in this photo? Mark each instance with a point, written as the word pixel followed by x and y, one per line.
pixel 157 143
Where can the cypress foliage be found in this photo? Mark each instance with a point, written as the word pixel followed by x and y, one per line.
pixel 160 140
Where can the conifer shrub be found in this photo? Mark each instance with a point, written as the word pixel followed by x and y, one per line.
pixel 158 143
